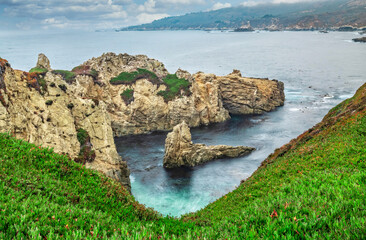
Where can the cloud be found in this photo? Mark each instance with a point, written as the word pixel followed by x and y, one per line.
pixel 182 2
pixel 219 5
pixel 253 3
pixel 148 6
pixel 147 18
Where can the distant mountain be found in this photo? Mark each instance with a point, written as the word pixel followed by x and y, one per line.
pixel 297 16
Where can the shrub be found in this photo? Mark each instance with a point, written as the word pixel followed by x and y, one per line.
pixel 82 136
pixel 68 76
pixel 70 106
pixel 86 153
pixel 49 102
pixel 62 87
pixel 131 77
pixel 38 70
pixel 174 87
pixel 127 95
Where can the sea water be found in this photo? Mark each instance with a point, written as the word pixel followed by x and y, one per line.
pixel 319 71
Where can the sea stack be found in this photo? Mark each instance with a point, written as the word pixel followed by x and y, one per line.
pixel 180 150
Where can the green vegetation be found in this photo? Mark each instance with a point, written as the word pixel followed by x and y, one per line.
pixel 312 188
pixel 49 102
pixel 174 86
pixel 82 136
pixel 68 76
pixel 85 70
pixel 38 70
pixel 131 77
pixel 70 106
pixel 62 87
pixel 127 95
pixel 42 83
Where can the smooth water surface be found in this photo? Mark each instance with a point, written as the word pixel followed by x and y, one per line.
pixel 319 71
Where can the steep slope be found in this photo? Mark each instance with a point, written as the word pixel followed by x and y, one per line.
pixel 312 188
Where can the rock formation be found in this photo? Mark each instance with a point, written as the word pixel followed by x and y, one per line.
pixel 42 110
pixel 211 98
pixel 180 151
pixel 43 62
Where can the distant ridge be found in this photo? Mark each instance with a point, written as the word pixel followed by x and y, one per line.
pixel 300 16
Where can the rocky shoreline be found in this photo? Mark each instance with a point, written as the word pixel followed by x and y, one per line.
pixel 79 112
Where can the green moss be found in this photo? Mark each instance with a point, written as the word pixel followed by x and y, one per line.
pixel 174 87
pixel 127 95
pixel 68 76
pixel 38 70
pixel 131 77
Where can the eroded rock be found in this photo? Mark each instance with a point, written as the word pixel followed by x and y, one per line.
pixel 43 62
pixel 180 151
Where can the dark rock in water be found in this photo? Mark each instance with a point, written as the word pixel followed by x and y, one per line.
pixel 244 29
pixel 362 39
pixel 180 151
pixel 347 29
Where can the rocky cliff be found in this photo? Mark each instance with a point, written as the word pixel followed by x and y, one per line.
pixel 180 151
pixel 206 99
pixel 42 109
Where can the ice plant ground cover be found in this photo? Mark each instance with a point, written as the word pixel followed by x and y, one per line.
pixel 312 188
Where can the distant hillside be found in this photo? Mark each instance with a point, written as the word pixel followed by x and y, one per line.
pixel 300 16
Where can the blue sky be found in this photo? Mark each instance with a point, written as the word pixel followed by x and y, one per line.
pixel 102 14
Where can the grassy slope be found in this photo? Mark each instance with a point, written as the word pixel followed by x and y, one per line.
pixel 313 187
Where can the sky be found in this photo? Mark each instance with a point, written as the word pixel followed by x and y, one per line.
pixel 103 14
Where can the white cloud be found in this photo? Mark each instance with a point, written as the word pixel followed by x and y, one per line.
pixel 182 2
pixel 253 3
pixel 219 5
pixel 115 15
pixel 147 17
pixel 54 23
pixel 149 6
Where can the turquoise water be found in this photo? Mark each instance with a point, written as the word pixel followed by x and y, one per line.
pixel 319 71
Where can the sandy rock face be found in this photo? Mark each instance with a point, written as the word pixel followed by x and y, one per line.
pixel 241 95
pixel 180 151
pixel 50 117
pixel 43 62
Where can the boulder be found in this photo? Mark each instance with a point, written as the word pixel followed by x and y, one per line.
pixel 180 151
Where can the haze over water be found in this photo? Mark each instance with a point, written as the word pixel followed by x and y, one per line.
pixel 319 71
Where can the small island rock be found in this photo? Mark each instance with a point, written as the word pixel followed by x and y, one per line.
pixel 180 151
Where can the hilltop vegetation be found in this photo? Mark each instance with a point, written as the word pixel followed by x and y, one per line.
pixel 305 15
pixel 312 188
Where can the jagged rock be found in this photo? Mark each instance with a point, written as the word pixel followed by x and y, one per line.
pixel 43 62
pixel 184 74
pixel 180 151
pixel 362 39
pixel 51 118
